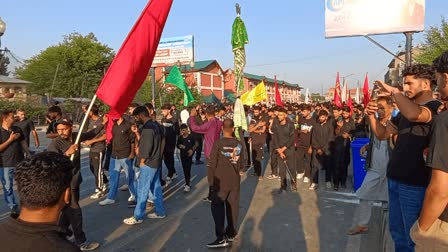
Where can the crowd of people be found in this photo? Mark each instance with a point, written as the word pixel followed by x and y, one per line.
pixel 406 129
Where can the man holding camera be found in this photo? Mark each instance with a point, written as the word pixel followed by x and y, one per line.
pixel 407 173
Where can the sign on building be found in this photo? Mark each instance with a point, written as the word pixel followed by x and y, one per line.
pixel 364 17
pixel 174 49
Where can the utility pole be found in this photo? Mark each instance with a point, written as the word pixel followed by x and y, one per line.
pixel 408 55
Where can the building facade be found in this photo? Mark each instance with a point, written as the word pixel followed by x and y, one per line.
pixel 13 89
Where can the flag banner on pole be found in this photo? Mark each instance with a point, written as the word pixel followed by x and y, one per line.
pixel 350 103
pixel 344 92
pixel 365 92
pixel 175 78
pixel 357 98
pixel 257 94
pixel 130 66
pixel 307 96
pixel 278 97
pixel 239 117
pixel 337 93
pixel 239 40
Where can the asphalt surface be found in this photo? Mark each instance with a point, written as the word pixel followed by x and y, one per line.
pixel 296 221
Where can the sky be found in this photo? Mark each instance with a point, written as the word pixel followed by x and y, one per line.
pixel 286 37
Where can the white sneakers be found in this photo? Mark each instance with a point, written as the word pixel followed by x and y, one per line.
pixel 131 198
pixel 97 195
pixel 106 202
pixel 312 187
pixel 300 175
pixel 187 188
pixel 155 216
pixel 306 180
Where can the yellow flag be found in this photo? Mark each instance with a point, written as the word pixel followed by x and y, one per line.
pixel 257 94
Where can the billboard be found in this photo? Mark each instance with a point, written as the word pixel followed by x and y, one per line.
pixel 171 50
pixel 364 17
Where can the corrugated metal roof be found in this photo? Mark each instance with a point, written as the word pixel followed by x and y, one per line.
pixel 6 79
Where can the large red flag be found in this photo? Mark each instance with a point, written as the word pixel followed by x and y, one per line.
pixel 130 66
pixel 278 97
pixel 365 91
pixel 337 93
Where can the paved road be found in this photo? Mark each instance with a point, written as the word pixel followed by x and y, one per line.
pixel 297 221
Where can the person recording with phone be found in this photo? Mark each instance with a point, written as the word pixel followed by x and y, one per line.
pixel 407 173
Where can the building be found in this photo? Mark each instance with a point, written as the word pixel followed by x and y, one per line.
pixel 13 89
pixel 396 66
pixel 206 76
pixel 288 91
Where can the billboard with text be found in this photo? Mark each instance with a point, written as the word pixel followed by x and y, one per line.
pixel 364 17
pixel 174 49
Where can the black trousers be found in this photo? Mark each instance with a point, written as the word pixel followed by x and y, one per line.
pixel 107 158
pixel 341 160
pixel 186 166
pixel 257 157
pixel 168 159
pixel 246 142
pixel 225 205
pixel 318 162
pixel 72 216
pixel 287 168
pixel 274 162
pixel 199 138
pixel 303 161
pixel 96 167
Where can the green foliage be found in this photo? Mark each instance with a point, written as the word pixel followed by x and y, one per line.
pixel 32 110
pixel 176 96
pixel 4 62
pixel 436 42
pixel 82 61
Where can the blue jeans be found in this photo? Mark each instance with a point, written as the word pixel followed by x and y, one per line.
pixel 7 178
pixel 151 196
pixel 405 204
pixel 114 172
pixel 149 180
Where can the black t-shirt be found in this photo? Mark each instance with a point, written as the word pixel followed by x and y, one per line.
pixel 26 126
pixel 171 129
pixel 284 135
pixel 189 143
pixel 122 139
pixel 406 163
pixel 225 164
pixel 150 145
pixel 20 236
pixel 93 124
pixel 437 155
pixel 258 138
pixel 304 139
pixel 14 153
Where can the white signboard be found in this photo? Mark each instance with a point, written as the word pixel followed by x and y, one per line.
pixel 172 50
pixel 363 17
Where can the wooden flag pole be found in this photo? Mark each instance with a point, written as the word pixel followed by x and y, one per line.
pixel 78 137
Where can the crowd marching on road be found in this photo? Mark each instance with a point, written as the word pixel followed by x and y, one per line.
pixel 407 171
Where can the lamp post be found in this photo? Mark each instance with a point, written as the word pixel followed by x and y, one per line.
pixel 2 31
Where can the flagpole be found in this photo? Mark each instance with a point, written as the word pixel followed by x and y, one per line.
pixel 78 137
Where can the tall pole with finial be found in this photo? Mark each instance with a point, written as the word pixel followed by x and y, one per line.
pixel 239 40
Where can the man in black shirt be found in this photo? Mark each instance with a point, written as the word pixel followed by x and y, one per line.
pixel 187 146
pixel 54 114
pixel 341 156
pixel 257 130
pixel 321 137
pixel 12 150
pixel 429 232
pixel 283 148
pixel 27 127
pixel 43 184
pixel 304 150
pixel 149 159
pixel 407 173
pixel 171 128
pixel 97 151
pixel 64 144
pixel 122 156
pixel 223 172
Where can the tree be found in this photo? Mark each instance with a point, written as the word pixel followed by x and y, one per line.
pixel 79 63
pixel 436 42
pixel 4 62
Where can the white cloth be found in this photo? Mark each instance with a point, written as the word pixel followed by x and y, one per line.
pixel 374 186
pixel 184 115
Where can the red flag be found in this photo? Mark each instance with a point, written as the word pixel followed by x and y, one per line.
pixel 350 102
pixel 337 93
pixel 278 97
pixel 130 66
pixel 365 92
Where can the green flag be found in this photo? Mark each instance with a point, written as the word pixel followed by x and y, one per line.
pixel 175 78
pixel 239 40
